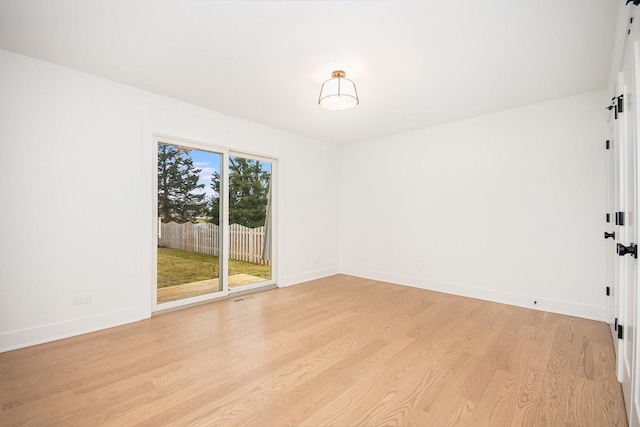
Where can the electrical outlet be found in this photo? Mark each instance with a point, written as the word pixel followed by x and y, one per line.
pixel 83 299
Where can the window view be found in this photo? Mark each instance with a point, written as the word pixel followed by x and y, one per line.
pixel 249 221
pixel 189 222
pixel 189 243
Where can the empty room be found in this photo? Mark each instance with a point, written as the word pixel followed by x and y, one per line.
pixel 319 213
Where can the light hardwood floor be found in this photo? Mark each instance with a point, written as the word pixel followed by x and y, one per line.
pixel 336 351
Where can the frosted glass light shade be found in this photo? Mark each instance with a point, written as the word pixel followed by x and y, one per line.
pixel 338 93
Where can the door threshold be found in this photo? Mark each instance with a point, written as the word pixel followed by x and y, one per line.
pixel 233 294
pixel 230 296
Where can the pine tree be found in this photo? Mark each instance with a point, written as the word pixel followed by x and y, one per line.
pixel 248 183
pixel 178 199
pixel 214 213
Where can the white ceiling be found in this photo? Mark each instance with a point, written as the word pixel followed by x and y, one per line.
pixel 415 63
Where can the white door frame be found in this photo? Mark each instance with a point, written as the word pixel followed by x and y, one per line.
pixel 634 411
pixel 611 206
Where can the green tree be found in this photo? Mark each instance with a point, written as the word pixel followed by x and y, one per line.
pixel 248 184
pixel 178 198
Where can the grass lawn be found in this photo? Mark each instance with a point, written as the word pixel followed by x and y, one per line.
pixel 176 267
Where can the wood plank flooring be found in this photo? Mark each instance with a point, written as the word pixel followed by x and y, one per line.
pixel 340 351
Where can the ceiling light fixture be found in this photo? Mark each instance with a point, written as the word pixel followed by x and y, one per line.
pixel 338 93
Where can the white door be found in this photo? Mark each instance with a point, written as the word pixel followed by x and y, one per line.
pixel 628 233
pixel 626 239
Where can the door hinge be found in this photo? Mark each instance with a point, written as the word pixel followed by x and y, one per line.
pixel 610 235
pixel 608 290
pixel 608 217
pixel 619 218
pixel 607 145
pixel 624 250
pixel 620 332
pixel 615 324
pixel 620 104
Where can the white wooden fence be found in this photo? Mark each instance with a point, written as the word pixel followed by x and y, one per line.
pixel 245 244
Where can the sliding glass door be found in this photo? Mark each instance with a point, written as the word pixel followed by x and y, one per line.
pixel 214 222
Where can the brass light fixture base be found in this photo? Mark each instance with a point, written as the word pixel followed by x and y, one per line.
pixel 338 73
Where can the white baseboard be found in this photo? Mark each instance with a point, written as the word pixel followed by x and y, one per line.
pixel 56 331
pixel 305 277
pixel 519 300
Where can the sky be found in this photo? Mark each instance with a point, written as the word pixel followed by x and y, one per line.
pixel 208 163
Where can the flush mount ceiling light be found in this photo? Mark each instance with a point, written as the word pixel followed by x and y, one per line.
pixel 338 93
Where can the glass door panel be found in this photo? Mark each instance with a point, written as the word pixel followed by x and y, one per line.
pixel 250 223
pixel 189 235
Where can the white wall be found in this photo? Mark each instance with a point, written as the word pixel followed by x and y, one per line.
pixel 506 207
pixel 71 191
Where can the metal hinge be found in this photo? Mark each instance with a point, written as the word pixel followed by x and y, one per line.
pixel 608 145
pixel 615 324
pixel 619 218
pixel 608 291
pixel 608 217
pixel 620 104
pixel 616 105
pixel 620 332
